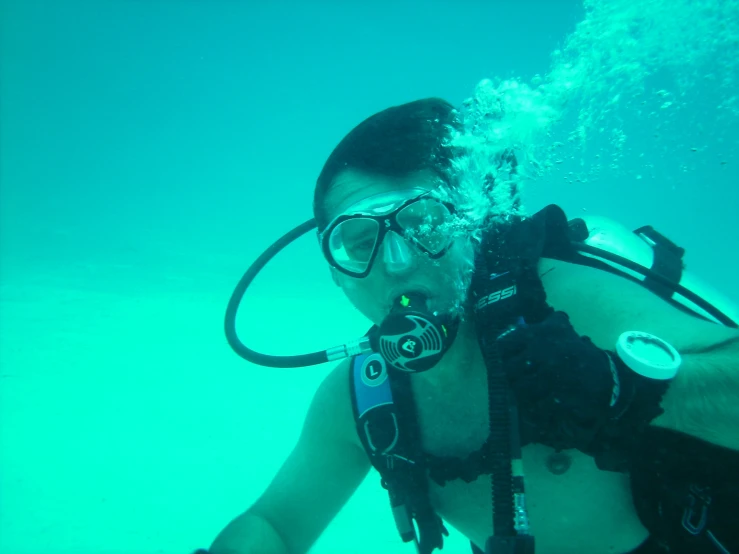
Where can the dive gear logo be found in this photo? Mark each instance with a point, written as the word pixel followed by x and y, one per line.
pixel 410 347
pixel 411 350
pixel 374 371
pixel 496 296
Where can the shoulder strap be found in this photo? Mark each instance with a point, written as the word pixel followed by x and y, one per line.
pixel 384 414
pixel 507 290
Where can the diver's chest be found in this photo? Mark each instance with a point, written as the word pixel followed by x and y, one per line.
pixel 567 495
pixel 456 424
pixel 453 421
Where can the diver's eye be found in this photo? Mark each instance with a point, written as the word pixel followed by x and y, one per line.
pixel 364 246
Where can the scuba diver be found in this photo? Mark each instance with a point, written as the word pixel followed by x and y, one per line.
pixel 539 383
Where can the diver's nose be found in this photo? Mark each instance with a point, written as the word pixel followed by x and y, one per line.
pixel 397 253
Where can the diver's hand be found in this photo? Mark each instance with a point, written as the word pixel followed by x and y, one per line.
pixel 567 388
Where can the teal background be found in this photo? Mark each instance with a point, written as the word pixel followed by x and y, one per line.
pixel 149 151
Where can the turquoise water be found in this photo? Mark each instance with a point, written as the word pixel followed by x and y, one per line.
pixel 149 151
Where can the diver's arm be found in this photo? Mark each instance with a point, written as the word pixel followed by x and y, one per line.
pixel 249 533
pixel 703 398
pixel 318 477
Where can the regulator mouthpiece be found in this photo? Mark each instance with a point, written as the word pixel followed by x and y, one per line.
pixel 411 338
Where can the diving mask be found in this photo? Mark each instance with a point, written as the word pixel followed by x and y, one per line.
pixel 351 242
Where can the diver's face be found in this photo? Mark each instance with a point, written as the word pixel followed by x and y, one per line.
pixel 399 265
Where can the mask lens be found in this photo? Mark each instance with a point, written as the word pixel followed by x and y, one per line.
pixel 352 242
pixel 424 222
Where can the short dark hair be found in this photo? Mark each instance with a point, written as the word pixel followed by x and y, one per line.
pixel 395 142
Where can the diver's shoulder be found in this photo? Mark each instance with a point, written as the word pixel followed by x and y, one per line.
pixel 333 399
pixel 602 233
pixel 613 236
pixel 334 388
pixel 595 299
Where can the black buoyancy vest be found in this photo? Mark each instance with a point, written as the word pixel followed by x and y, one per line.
pixel 383 404
pixel 384 409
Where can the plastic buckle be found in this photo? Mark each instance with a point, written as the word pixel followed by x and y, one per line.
pixel 699 503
